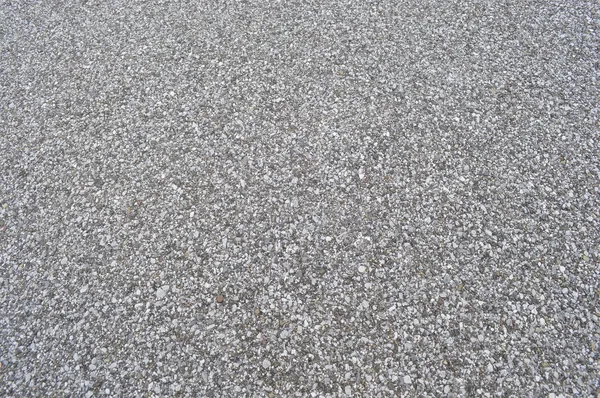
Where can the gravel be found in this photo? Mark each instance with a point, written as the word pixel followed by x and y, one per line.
pixel 393 198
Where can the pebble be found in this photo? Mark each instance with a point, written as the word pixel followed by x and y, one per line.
pixel 266 363
pixel 162 292
pixel 362 269
pixel 407 380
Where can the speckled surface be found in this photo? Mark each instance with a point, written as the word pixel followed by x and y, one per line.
pixel 391 198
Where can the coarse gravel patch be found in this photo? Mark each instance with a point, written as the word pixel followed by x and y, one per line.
pixel 300 198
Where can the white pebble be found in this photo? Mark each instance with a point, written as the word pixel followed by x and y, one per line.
pixel 361 173
pixel 162 292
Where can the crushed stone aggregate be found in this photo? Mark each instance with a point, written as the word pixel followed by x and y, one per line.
pixel 300 198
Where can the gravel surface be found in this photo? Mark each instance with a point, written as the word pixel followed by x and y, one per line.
pixel 300 198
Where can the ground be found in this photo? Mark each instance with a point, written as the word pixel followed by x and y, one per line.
pixel 300 198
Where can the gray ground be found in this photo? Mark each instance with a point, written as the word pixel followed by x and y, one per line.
pixel 393 198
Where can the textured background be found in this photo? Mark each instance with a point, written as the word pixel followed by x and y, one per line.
pixel 395 198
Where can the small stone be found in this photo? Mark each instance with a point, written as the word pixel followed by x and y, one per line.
pixel 220 298
pixel 446 389
pixel 407 380
pixel 266 364
pixel 542 322
pixel 362 269
pixel 162 292
pixel 348 390
pixel 490 367
pixel 551 395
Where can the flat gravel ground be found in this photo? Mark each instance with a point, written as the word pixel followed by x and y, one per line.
pixel 300 198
